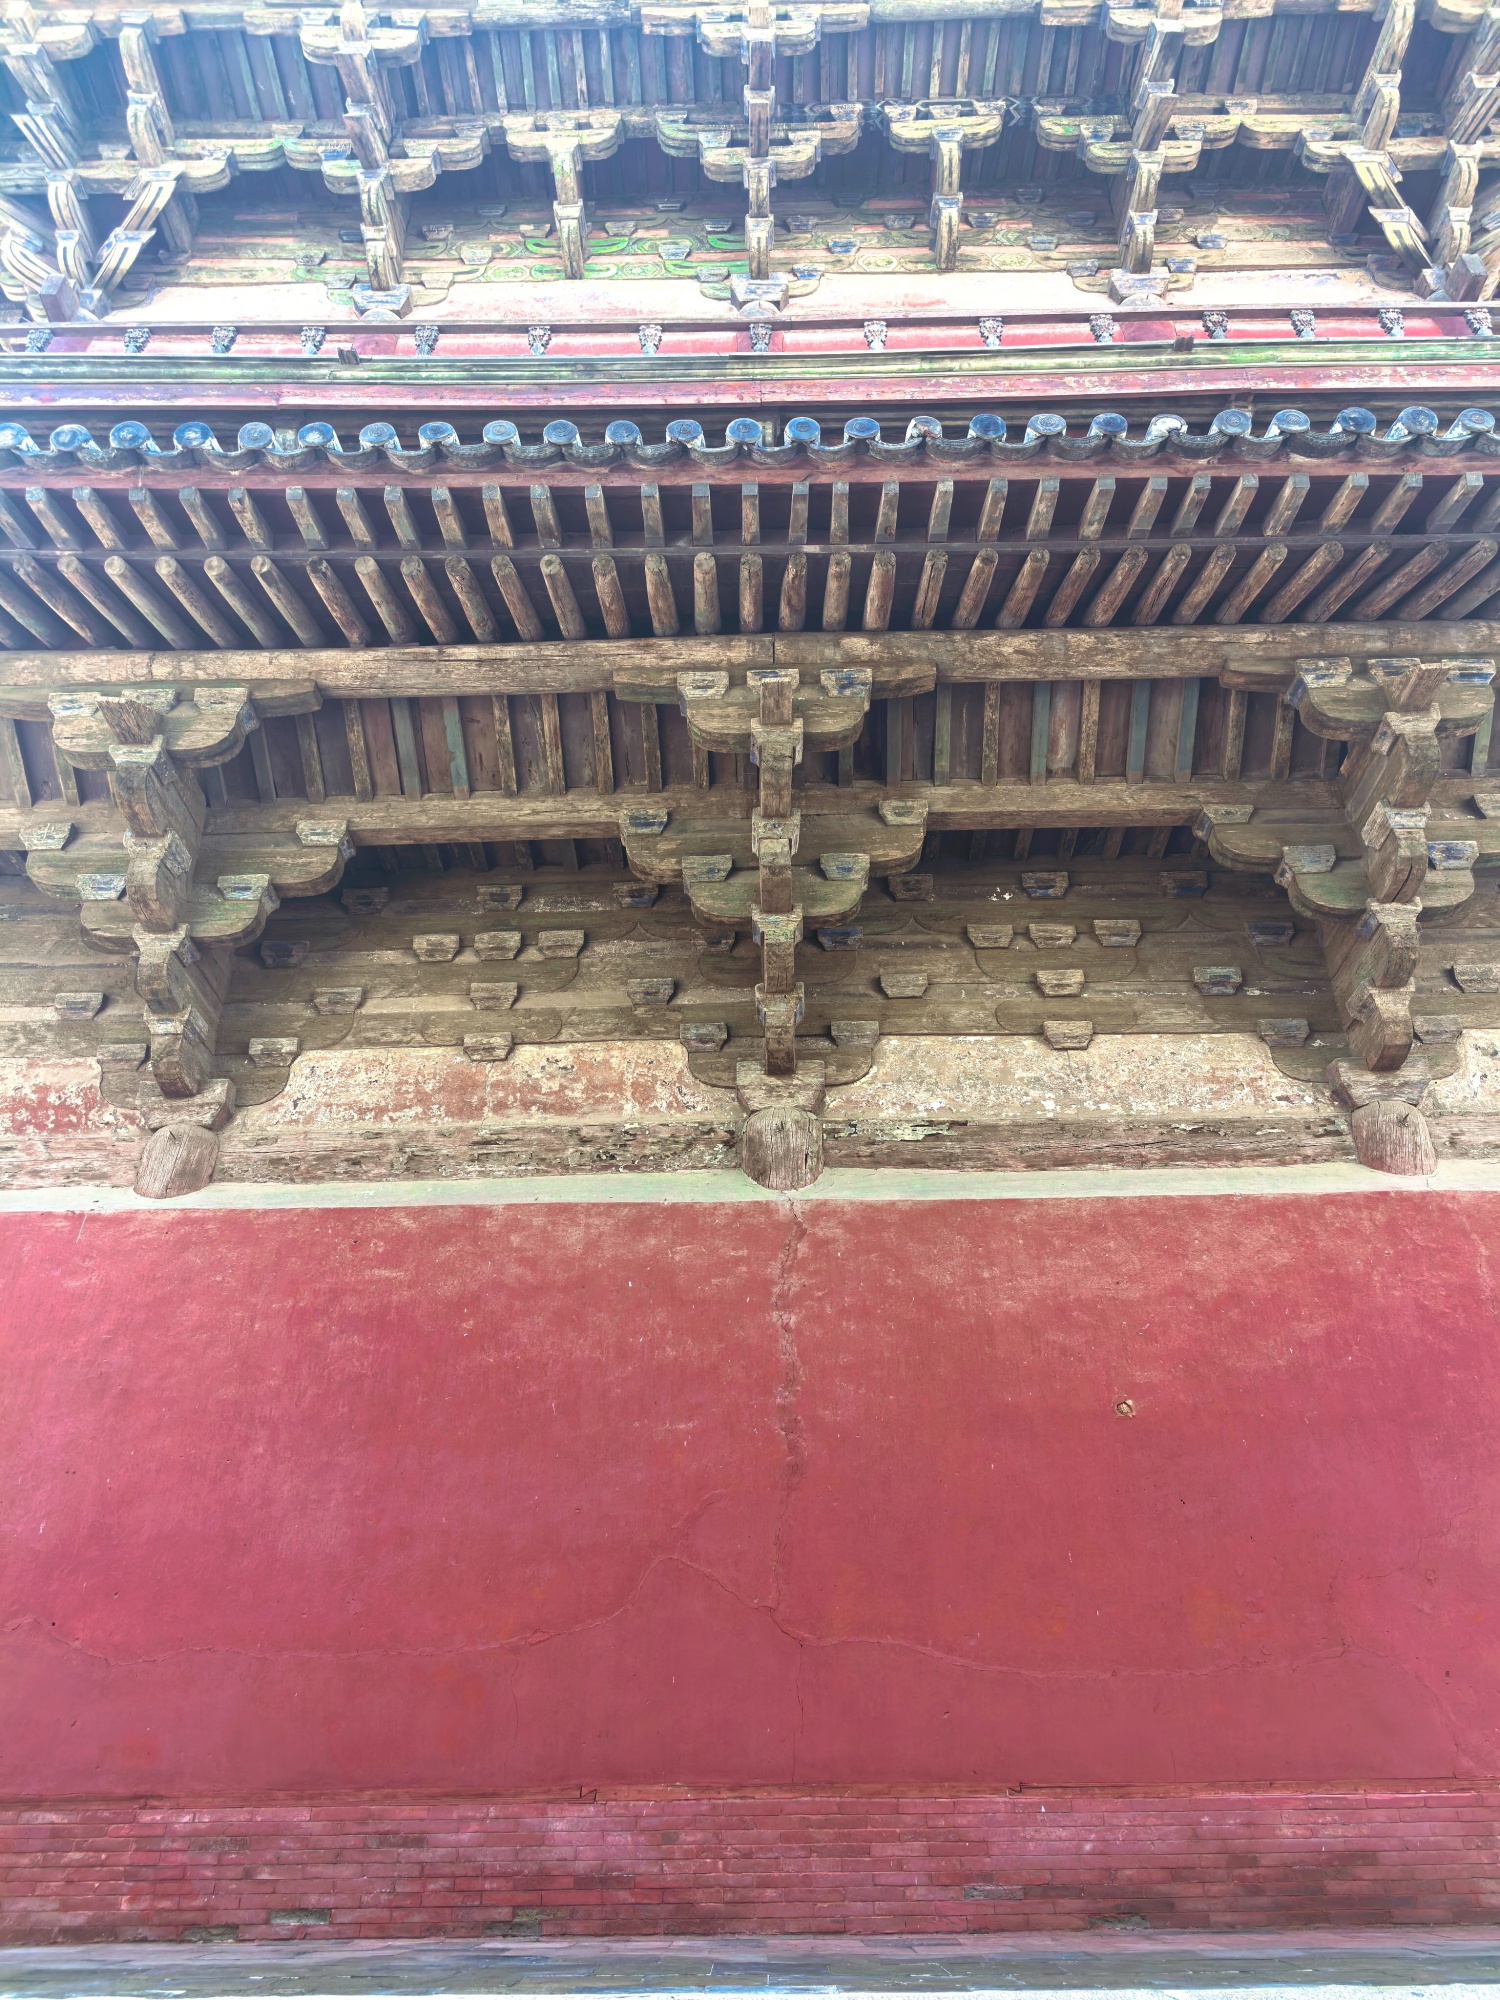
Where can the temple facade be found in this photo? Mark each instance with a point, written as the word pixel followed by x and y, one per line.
pixel 749 965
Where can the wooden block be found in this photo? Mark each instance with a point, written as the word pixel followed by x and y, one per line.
pixel 365 902
pixel 1183 882
pixel 1068 1034
pixel 1045 883
pixel 855 1034
pixel 1286 1032
pixel 650 992
pixel 1393 1138
pixel 1052 937
pixel 704 1037
pixel 1117 933
pixel 1449 856
pixel 500 895
pixel 497 944
pixel 903 985
pixel 274 1051
pixel 560 944
pixel 121 1055
pixel 488 1048
pixel 436 947
pixel 178 1159
pixel 181 1052
pixel 1218 980
pixel 1352 1086
pixel 718 942
pixel 493 997
pixel 210 1108
pixel 1477 978
pixel 1380 1032
pixel 910 888
pixel 77 1006
pixel 1264 934
pixel 277 954
pixel 782 1147
pixel 990 937
pixel 636 895
pixel 1059 984
pixel 1435 1030
pixel 338 999
pixel 840 937
pixel 707 868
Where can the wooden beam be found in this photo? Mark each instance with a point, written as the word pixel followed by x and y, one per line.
pixel 339 605
pixel 424 592
pixel 359 750
pixel 1153 598
pixel 1216 565
pixel 287 600
pixel 1022 593
pixel 1300 586
pixel 309 521
pixel 1123 653
pixel 1088 733
pixel 585 813
pixel 1072 587
pixel 90 584
pixel 472 600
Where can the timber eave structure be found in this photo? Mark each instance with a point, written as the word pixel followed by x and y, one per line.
pixel 751 540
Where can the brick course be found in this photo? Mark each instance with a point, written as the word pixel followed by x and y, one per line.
pixel 676 1862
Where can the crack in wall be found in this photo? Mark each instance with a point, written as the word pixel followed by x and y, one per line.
pixel 788 1417
pixel 518 1647
pixel 792 1432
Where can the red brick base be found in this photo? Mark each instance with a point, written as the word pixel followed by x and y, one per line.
pixel 682 1863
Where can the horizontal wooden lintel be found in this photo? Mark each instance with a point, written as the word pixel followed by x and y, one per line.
pixel 587 814
pixel 648 668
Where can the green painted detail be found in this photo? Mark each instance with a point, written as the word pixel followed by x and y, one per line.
pixel 723 1185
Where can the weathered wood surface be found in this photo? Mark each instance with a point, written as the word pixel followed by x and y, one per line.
pixel 1145 984
pixel 587 814
pixel 177 1159
pixel 1393 1138
pixel 583 666
pixel 1141 947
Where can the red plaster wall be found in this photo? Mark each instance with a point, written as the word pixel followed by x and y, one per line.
pixel 474 1499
